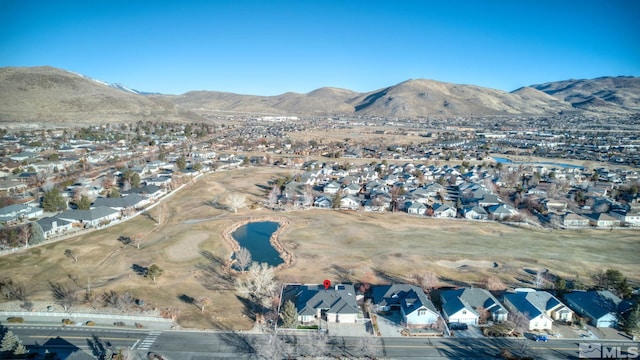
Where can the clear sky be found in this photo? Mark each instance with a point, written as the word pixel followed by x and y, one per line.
pixel 267 47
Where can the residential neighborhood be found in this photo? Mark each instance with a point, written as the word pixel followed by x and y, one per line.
pixel 59 183
pixel 407 310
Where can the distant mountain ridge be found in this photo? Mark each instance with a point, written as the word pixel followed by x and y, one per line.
pixel 46 94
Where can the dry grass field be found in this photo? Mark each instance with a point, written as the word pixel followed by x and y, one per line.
pixel 341 246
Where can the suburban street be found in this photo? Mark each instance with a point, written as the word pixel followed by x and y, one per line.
pixel 198 345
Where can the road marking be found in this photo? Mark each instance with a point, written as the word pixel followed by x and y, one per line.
pixel 148 341
pixel 79 337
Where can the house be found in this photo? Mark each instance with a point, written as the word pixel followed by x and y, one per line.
pixel 331 188
pixel 602 308
pixel 152 192
pixel 159 181
pixel 334 304
pixel 9 185
pixel 54 225
pixel 133 201
pixel 352 189
pixel 323 202
pixel 18 212
pixel 466 305
pixel 572 220
pixel 378 203
pixel 489 200
pixel 475 213
pixel 502 211
pixel 456 310
pixel 444 211
pixel 415 208
pixel 92 217
pixel 539 307
pixel 416 309
pixel 603 220
pixel 348 202
pixel 627 218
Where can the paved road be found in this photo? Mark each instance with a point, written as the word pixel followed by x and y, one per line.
pixel 186 345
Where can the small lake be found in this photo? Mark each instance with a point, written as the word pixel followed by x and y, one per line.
pixel 255 237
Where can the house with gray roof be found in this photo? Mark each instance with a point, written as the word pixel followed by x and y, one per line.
pixel 334 304
pixel 602 308
pixel 54 226
pixel 132 201
pixel 466 305
pixel 331 188
pixel 416 309
pixel 18 212
pixel 502 211
pixel 415 207
pixel 475 213
pixel 489 200
pixel 539 307
pixel 92 217
pixel 444 211
pixel 148 191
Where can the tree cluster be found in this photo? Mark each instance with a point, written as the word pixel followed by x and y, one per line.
pixel 613 280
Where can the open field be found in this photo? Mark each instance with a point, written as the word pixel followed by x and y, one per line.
pixel 341 246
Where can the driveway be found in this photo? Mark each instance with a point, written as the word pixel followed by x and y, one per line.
pixel 343 329
pixel 389 324
pixel 472 331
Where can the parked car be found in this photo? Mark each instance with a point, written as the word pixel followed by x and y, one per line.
pixel 542 338
pixel 458 326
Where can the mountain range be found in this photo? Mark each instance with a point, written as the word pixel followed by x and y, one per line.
pixel 42 95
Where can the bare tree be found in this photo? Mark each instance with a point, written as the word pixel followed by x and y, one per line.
pixel 369 347
pixel 520 320
pixel 258 284
pixel 308 195
pixel 317 347
pixel 274 194
pixel 539 280
pixel 203 302
pixel 48 185
pixel 275 348
pixel 236 201
pixel 492 283
pixel 72 254
pixel 427 280
pixel 138 239
pixel 483 315
pixel 243 258
pixel 64 295
pixel 162 214
pixel 25 234
pixel 170 313
pixel 13 290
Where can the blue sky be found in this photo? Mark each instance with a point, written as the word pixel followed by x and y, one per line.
pixel 270 47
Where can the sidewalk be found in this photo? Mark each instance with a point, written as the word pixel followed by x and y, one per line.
pixel 81 319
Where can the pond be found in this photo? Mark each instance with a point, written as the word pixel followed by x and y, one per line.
pixel 255 236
